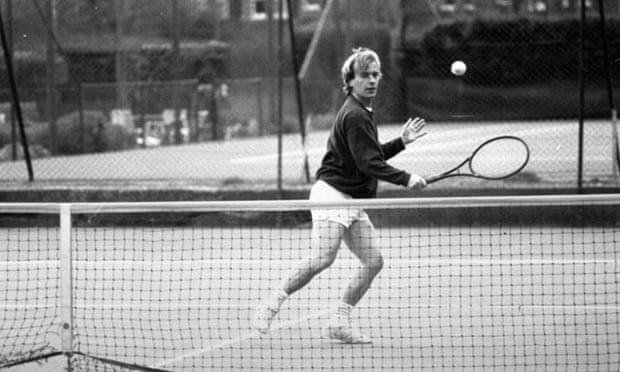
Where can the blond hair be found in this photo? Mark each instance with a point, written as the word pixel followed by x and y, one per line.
pixel 358 61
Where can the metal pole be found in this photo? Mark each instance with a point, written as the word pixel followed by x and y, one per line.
pixel 81 116
pixel 260 101
pixel 51 76
pixel 581 95
pixel 119 60
pixel 300 110
pixel 610 94
pixel 15 97
pixel 280 92
pixel 66 283
pixel 175 66
pixel 270 62
pixel 9 32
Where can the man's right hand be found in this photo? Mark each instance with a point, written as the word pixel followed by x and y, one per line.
pixel 416 182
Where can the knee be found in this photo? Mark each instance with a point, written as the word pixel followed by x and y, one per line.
pixel 375 265
pixel 322 262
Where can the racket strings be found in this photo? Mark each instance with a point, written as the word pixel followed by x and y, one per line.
pixel 499 158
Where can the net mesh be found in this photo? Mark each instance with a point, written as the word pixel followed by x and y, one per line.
pixel 467 284
pixel 29 282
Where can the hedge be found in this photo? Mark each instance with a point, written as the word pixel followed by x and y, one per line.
pixel 512 52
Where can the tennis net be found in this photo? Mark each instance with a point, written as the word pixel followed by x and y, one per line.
pixel 474 283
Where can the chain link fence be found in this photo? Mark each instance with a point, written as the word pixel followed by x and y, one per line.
pixel 205 90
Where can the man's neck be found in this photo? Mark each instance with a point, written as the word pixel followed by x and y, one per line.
pixel 366 102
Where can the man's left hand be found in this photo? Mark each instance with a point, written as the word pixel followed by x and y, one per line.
pixel 412 130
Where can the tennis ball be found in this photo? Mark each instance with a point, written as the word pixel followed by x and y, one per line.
pixel 458 68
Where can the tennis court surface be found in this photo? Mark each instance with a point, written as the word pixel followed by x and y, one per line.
pixel 251 161
pixel 470 284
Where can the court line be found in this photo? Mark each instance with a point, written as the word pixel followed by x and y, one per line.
pixel 237 340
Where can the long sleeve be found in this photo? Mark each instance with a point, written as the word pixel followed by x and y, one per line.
pixel 369 154
pixel 355 160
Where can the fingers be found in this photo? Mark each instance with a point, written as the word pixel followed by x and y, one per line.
pixel 415 124
pixel 416 182
pixel 412 130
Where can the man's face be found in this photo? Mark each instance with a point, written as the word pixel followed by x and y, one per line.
pixel 365 83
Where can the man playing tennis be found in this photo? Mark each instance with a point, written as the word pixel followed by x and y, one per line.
pixel 351 167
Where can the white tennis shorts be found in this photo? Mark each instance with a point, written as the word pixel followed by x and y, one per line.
pixel 322 191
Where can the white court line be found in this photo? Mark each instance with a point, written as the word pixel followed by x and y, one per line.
pixel 256 159
pixel 237 340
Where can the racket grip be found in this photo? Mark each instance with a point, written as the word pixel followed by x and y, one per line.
pixel 431 179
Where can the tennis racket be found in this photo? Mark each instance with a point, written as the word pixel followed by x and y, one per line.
pixel 495 159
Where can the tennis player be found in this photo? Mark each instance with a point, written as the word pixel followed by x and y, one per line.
pixel 351 167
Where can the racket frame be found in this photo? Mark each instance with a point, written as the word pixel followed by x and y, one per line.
pixel 454 171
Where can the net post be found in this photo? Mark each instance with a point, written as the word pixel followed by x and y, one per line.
pixel 66 284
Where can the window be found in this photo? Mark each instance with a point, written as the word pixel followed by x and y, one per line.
pixel 219 7
pixel 260 8
pixel 311 5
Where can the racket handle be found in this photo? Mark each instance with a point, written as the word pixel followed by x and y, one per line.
pixel 431 179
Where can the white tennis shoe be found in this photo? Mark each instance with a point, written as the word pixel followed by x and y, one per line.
pixel 339 328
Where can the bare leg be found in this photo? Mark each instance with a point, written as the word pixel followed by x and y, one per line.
pixel 364 243
pixel 326 240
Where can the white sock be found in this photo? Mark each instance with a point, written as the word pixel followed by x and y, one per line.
pixel 277 299
pixel 343 310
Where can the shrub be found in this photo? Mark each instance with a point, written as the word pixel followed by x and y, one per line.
pixel 35 151
pixel 511 52
pixel 95 135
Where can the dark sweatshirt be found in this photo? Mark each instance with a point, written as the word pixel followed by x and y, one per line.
pixel 355 159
